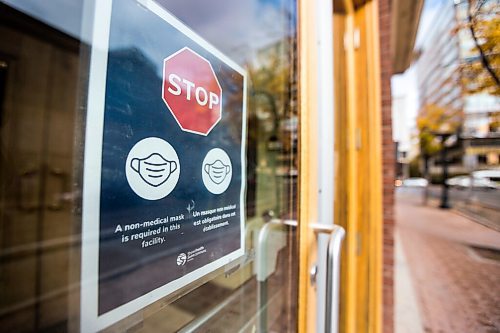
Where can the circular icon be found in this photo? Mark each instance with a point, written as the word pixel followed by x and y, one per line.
pixel 217 171
pixel 152 168
pixel 181 259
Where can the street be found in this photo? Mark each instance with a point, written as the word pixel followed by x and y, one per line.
pixel 454 265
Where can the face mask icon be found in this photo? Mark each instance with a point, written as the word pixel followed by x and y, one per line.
pixel 154 169
pixel 217 171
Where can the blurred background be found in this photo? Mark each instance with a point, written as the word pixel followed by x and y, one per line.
pixel 446 131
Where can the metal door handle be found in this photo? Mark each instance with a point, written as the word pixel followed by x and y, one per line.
pixel 336 235
pixel 333 279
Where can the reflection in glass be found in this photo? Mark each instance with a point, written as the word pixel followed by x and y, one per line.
pixel 42 71
pixel 38 87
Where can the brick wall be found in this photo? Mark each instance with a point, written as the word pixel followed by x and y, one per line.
pixel 388 160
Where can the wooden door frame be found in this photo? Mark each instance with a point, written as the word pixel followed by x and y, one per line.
pixel 358 190
pixel 307 187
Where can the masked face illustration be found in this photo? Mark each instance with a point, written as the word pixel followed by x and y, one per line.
pixel 217 171
pixel 154 169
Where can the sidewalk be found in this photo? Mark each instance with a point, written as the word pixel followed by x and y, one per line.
pixel 407 318
pixel 454 266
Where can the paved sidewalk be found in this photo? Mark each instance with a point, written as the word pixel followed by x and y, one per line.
pixel 407 317
pixel 455 267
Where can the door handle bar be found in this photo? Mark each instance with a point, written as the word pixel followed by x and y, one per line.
pixel 333 279
pixel 336 235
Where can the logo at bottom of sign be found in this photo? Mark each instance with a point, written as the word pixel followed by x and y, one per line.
pixel 152 168
pixel 181 259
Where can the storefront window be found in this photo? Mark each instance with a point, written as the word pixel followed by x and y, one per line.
pixel 48 54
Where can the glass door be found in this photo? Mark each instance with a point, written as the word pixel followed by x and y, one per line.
pixel 149 153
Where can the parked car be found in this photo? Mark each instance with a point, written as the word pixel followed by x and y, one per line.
pixel 458 181
pixel 493 176
pixel 415 182
pixel 463 182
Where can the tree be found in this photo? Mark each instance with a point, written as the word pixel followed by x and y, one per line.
pixel 433 119
pixel 481 71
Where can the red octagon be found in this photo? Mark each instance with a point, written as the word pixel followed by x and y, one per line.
pixel 191 91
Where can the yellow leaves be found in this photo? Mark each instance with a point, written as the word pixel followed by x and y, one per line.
pixel 481 71
pixel 435 119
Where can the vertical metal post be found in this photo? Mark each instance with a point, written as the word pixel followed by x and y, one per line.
pixel 426 176
pixel 444 160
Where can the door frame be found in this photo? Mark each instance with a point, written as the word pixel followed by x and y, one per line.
pixel 357 162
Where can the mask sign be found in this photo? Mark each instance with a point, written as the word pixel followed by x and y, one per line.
pixel 164 166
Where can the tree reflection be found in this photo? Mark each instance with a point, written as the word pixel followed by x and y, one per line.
pixel 272 126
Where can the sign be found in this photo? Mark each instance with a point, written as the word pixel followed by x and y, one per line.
pixel 164 165
pixel 191 91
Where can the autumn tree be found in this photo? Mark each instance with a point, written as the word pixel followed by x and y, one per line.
pixel 270 83
pixel 481 70
pixel 434 119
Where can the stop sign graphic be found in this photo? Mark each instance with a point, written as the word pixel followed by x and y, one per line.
pixel 191 91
